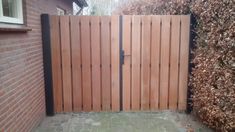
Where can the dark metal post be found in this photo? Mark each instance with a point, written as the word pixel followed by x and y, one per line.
pixel 121 60
pixel 46 42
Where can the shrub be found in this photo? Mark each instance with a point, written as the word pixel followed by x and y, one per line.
pixel 212 79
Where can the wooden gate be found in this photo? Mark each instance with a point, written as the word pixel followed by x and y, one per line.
pixel 155 71
pixel 113 63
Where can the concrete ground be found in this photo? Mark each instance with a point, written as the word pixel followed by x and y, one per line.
pixel 122 122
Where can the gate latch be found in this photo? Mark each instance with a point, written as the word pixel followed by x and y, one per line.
pixel 122 57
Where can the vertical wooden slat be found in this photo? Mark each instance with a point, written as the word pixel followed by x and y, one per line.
pixel 56 63
pixel 76 63
pixel 66 63
pixel 135 75
pixel 174 62
pixel 151 71
pixel 96 73
pixel 155 60
pixel 106 62
pixel 145 65
pixel 127 63
pixel 165 51
pixel 115 63
pixel 86 63
pixel 184 56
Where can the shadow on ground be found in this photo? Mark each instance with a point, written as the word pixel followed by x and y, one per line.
pixel 122 122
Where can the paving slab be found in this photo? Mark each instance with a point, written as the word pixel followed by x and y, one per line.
pixel 165 121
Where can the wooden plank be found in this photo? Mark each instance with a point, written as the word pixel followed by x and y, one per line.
pixel 184 58
pixel 165 52
pixel 145 62
pixel 106 62
pixel 56 63
pixel 86 63
pixel 135 75
pixel 66 63
pixel 115 63
pixel 76 63
pixel 174 62
pixel 127 63
pixel 95 60
pixel 155 61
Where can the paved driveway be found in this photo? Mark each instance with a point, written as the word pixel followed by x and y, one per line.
pixel 122 122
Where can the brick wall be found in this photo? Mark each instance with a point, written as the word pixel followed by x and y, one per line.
pixel 22 98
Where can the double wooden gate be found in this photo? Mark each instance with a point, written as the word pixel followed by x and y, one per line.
pixel 113 63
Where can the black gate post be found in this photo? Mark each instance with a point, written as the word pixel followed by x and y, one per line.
pixel 46 42
pixel 121 60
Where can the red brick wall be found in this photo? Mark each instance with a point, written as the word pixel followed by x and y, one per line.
pixel 22 98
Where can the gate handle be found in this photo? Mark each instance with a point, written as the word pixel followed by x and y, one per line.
pixel 122 57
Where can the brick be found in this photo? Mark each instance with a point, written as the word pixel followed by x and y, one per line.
pixel 22 102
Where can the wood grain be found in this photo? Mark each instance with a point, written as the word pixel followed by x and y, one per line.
pixel 76 63
pixel 127 63
pixel 174 61
pixel 135 58
pixel 184 58
pixel 145 62
pixel 155 61
pixel 96 61
pixel 106 62
pixel 86 63
pixel 115 63
pixel 165 53
pixel 56 63
pixel 66 63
